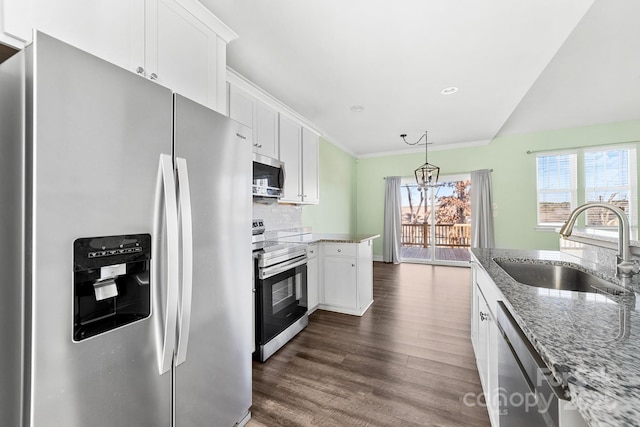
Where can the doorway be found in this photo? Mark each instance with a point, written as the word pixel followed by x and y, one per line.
pixel 436 221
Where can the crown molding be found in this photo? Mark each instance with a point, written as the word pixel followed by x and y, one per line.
pixel 207 17
pixel 240 81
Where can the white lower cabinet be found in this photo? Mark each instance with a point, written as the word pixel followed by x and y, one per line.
pixel 313 290
pixel 347 277
pixel 484 337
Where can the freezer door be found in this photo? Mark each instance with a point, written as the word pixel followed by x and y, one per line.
pixel 213 384
pixel 94 145
pixel 12 244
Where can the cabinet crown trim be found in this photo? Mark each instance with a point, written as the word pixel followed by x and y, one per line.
pixel 208 18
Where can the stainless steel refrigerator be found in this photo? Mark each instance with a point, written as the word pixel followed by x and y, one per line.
pixel 125 235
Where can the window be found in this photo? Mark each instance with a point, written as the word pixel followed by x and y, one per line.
pixel 566 180
pixel 610 177
pixel 557 187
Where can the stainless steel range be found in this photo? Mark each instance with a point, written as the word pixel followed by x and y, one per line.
pixel 280 286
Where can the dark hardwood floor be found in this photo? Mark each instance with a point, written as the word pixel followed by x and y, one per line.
pixel 407 362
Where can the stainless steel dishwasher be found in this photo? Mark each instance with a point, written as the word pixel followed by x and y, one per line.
pixel 529 395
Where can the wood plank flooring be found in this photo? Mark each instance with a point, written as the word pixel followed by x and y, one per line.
pixel 407 362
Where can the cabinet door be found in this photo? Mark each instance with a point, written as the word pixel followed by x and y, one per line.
pixel 482 341
pixel 111 30
pixel 365 274
pixel 310 169
pixel 340 288
pixel 265 130
pixel 241 106
pixel 181 52
pixel 291 156
pixel 16 22
pixel 312 284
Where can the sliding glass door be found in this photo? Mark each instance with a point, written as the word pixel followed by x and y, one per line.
pixel 436 221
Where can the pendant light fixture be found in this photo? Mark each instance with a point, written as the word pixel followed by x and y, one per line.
pixel 427 174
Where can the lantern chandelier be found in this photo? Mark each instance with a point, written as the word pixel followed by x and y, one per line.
pixel 427 174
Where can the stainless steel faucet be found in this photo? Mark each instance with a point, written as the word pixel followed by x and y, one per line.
pixel 626 267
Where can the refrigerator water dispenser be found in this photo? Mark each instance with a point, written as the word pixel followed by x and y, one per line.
pixel 111 283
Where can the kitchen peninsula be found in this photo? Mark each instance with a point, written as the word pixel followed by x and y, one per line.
pixel 340 269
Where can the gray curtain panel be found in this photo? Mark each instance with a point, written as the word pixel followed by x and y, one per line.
pixel 392 221
pixel 481 210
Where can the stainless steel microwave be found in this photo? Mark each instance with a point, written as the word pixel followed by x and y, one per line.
pixel 268 177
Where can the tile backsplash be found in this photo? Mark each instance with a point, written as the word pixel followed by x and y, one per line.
pixel 278 217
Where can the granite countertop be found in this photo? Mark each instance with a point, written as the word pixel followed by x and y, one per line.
pixel 304 235
pixel 591 342
pixel 343 238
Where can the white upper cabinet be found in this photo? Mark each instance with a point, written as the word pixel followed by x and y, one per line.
pixel 299 152
pixel 290 154
pixel 178 43
pixel 240 106
pixel 265 130
pixel 183 53
pixel 15 22
pixel 257 115
pixel 113 31
pixel 310 167
pixel 279 133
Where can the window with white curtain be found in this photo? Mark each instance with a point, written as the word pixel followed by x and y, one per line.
pixel 557 187
pixel 566 180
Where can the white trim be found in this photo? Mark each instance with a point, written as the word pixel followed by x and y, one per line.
pixel 240 81
pixel 378 258
pixel 206 16
pixel 548 228
pixel 432 147
pixel 11 42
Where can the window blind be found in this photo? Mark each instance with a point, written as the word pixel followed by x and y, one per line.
pixel 557 187
pixel 610 177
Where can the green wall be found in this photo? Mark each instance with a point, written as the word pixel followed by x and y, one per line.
pixel 352 191
pixel 513 178
pixel 336 212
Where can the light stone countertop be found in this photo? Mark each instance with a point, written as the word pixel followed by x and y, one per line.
pixel 578 335
pixel 304 235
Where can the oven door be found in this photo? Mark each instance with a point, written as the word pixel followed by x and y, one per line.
pixel 281 299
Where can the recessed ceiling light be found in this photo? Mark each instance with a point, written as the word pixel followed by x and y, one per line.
pixel 357 108
pixel 449 90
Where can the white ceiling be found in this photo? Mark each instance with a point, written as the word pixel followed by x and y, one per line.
pixel 393 58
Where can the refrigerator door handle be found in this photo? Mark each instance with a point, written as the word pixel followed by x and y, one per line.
pixel 184 318
pixel 168 268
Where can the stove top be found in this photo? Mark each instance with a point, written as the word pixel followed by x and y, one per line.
pixel 269 252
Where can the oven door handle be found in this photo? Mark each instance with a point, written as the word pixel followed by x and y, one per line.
pixel 265 273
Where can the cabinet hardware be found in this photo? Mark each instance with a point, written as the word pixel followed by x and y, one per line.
pixel 153 76
pixel 484 316
pixel 339 250
pixel 140 70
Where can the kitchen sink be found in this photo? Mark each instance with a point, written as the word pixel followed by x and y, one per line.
pixel 561 277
